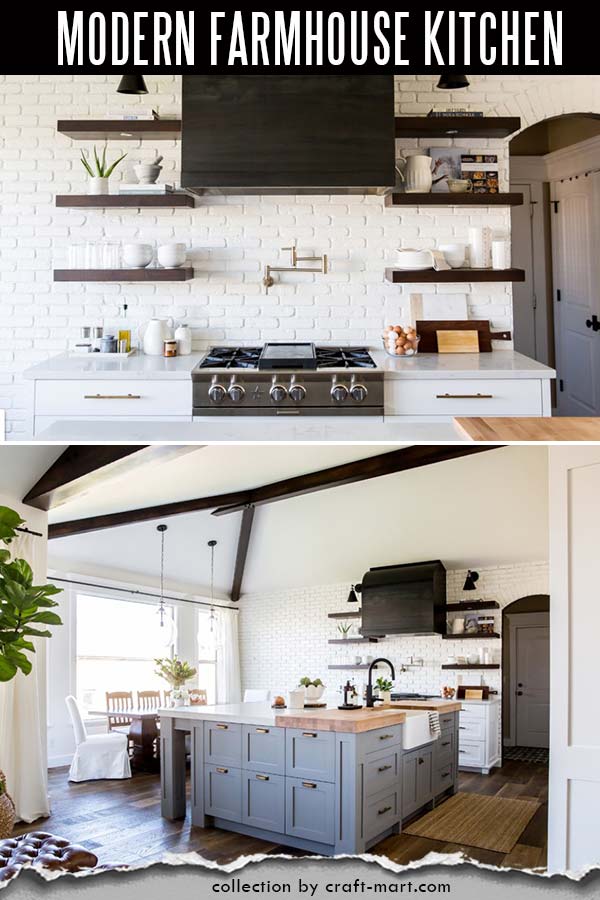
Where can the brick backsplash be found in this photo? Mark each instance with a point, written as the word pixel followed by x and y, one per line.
pixel 230 238
pixel 283 635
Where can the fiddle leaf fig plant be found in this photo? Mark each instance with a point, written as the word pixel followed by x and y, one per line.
pixel 24 606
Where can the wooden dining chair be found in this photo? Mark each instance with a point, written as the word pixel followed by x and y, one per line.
pixel 117 704
pixel 167 696
pixel 198 697
pixel 148 699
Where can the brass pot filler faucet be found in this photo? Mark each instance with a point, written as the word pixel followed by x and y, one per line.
pixel 268 280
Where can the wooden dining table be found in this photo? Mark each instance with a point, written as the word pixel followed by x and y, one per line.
pixel 143 732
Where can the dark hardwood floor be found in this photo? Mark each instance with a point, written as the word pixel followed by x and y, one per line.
pixel 120 821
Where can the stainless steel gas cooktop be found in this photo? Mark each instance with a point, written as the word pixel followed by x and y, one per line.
pixel 287 379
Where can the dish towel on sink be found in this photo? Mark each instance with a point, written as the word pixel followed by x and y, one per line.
pixel 434 723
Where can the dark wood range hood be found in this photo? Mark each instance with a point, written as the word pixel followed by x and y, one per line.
pixel 260 134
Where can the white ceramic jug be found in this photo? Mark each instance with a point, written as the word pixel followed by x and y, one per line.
pixel 154 334
pixel 415 172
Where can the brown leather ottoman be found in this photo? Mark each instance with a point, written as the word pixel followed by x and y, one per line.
pixel 41 849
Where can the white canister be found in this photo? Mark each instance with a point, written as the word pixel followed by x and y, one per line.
pixel 480 248
pixel 183 336
pixel 296 699
pixel 499 254
pixel 171 256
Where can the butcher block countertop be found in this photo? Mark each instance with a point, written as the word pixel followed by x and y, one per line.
pixel 437 705
pixel 528 429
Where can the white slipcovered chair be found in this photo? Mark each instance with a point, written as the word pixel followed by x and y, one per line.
pixel 97 755
pixel 256 695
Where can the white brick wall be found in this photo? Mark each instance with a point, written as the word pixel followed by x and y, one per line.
pixel 230 239
pixel 283 635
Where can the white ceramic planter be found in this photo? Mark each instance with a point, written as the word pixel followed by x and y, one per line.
pixel 385 696
pixel 98 185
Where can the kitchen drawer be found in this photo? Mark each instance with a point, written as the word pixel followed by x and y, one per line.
pixel 263 801
pixel 463 397
pixel 471 753
pixel 129 397
pixel 443 778
pixel 309 810
pixel 381 738
pixel 471 730
pixel 443 749
pixel 382 770
pixel 223 792
pixel 263 749
pixel 468 711
pixel 381 812
pixel 447 721
pixel 310 754
pixel 223 744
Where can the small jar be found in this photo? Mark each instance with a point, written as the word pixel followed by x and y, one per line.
pixel 170 348
pixel 108 344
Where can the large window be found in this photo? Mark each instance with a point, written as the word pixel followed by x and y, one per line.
pixel 117 643
pixel 207 655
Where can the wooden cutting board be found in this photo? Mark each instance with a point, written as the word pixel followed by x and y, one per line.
pixel 428 333
pixel 458 341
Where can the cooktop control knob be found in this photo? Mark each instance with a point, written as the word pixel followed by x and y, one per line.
pixel 297 392
pixel 236 391
pixel 278 393
pixel 339 392
pixel 217 392
pixel 358 392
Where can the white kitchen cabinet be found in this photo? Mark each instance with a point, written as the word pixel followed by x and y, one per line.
pixel 451 397
pixel 480 735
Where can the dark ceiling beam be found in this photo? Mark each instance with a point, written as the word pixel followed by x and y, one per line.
pixel 81 468
pixel 359 470
pixel 349 473
pixel 242 552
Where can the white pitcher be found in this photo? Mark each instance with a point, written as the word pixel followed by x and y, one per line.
pixel 154 334
pixel 415 172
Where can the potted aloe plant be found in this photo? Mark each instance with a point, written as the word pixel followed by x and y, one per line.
pixel 99 170
pixel 24 607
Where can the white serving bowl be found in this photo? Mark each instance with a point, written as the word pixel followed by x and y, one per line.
pixel 414 259
pixel 454 254
pixel 171 256
pixel 137 256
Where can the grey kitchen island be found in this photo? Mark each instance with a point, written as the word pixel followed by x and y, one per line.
pixel 328 781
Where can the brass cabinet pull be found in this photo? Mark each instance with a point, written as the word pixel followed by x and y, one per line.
pixel 222 771
pixel 464 396
pixel 263 777
pixel 385 809
pixel 385 737
pixel 446 744
pixel 262 730
pixel 463 751
pixel 308 784
pixel 222 727
pixel 383 768
pixel 311 734
pixel 112 396
pixel 462 727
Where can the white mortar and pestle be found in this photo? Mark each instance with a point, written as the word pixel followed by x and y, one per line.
pixel 147 173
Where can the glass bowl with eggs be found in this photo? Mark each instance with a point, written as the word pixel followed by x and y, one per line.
pixel 400 340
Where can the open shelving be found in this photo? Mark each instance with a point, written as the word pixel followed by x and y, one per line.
pixel 467 199
pixel 465 637
pixel 184 273
pixel 422 276
pixel 171 200
pixel 471 605
pixel 350 667
pixel 462 666
pixel 355 614
pixel 355 640
pixel 456 126
pixel 121 129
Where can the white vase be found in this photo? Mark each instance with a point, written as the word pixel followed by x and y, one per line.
pixel 480 247
pixel 183 336
pixel 98 185
pixel 180 697
pixel 154 335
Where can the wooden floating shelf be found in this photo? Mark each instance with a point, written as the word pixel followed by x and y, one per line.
pixel 349 667
pixel 470 605
pixel 124 201
pixel 412 276
pixel 121 129
pixel 360 640
pixel 356 614
pixel 180 274
pixel 432 199
pixel 474 666
pixel 456 126
pixel 466 637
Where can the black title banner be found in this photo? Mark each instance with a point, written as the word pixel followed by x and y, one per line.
pixel 414 39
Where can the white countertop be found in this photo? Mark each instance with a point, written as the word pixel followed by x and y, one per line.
pixel 357 429
pixel 497 364
pixel 237 713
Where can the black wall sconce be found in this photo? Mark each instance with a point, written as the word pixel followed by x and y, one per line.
pixel 470 580
pixel 132 84
pixel 449 82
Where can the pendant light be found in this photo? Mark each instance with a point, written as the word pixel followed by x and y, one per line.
pixel 470 580
pixel 132 84
pixel 161 606
pixel 212 544
pixel 449 82
pixel 352 598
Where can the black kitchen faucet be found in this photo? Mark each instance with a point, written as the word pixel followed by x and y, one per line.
pixel 370 699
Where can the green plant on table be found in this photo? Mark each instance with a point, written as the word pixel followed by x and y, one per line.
pixel 98 167
pixel 307 682
pixel 383 684
pixel 174 670
pixel 24 606
pixel 344 628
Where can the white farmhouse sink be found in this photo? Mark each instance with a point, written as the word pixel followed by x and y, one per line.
pixel 415 730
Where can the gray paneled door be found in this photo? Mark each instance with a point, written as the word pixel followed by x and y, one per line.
pixel 531 643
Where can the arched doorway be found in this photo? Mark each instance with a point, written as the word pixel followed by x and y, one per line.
pixel 555 164
pixel 526 678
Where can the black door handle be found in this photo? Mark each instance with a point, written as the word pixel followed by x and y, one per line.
pixel 593 323
pixel 520 684
pixel 519 693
